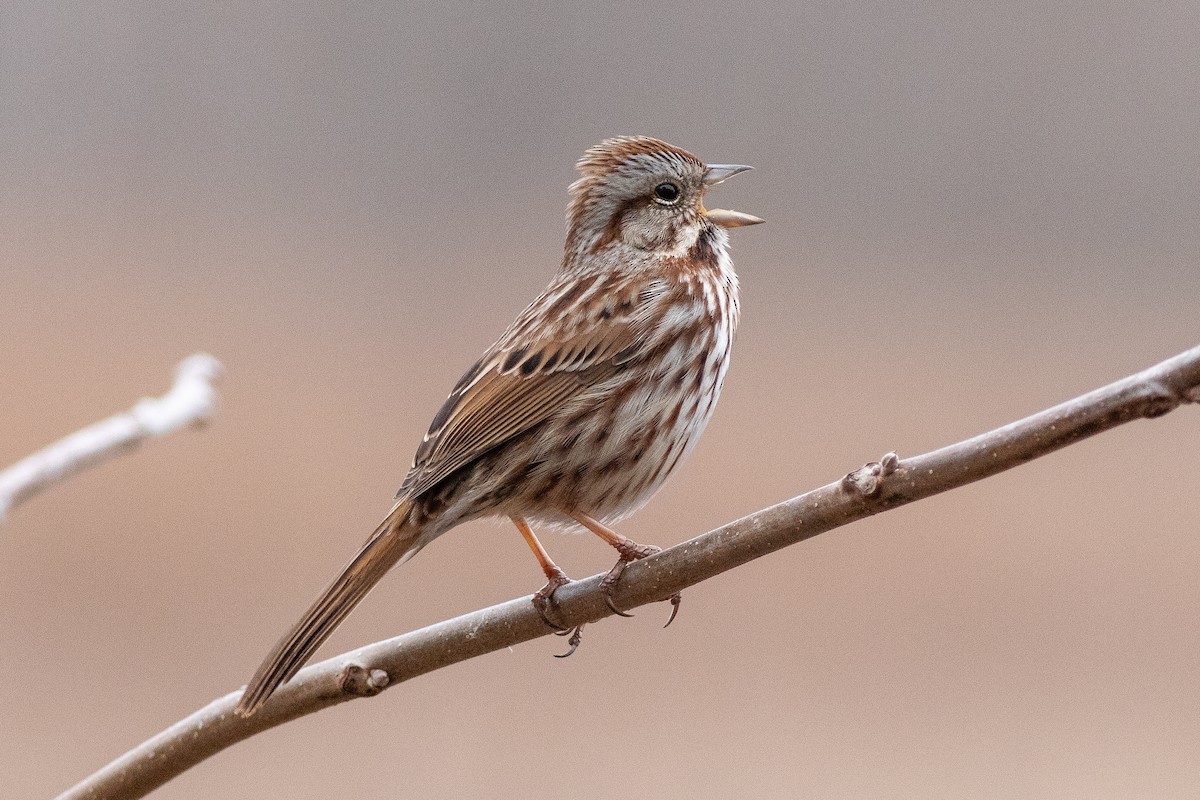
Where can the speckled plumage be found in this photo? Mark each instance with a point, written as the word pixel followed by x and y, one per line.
pixel 633 362
pixel 590 399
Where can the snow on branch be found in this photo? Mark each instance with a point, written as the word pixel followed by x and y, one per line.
pixel 191 401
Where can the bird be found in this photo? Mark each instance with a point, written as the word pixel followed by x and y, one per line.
pixel 586 403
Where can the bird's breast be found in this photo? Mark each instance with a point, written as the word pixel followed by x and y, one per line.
pixel 641 425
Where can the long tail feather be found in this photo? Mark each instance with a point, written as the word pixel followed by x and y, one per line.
pixel 394 539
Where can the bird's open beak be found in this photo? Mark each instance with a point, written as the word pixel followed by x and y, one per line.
pixel 720 172
pixel 716 173
pixel 731 219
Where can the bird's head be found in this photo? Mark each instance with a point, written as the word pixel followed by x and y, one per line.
pixel 644 194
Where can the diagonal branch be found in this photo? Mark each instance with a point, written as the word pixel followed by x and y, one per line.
pixel 191 401
pixel 876 487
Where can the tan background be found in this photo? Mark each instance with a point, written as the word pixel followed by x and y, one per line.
pixel 975 211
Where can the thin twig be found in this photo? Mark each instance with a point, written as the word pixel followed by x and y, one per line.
pixel 876 487
pixel 191 401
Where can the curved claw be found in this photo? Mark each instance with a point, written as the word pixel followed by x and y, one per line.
pixel 676 599
pixel 576 638
pixel 608 601
pixel 559 630
pixel 544 598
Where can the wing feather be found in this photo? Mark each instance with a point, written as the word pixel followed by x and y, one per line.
pixel 524 379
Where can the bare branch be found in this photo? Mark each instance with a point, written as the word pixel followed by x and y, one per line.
pixel 876 487
pixel 191 401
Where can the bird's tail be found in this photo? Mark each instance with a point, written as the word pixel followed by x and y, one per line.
pixel 394 539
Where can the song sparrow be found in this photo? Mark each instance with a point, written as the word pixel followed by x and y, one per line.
pixel 587 402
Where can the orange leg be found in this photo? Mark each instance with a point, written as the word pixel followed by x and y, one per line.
pixel 628 550
pixel 553 574
pixel 555 577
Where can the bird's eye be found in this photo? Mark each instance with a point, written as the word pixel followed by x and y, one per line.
pixel 666 192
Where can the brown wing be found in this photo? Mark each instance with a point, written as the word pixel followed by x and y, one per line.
pixel 529 374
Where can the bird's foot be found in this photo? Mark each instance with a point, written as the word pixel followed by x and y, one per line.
pixel 543 599
pixel 573 642
pixel 631 551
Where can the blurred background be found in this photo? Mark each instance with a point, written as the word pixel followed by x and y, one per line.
pixel 974 211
